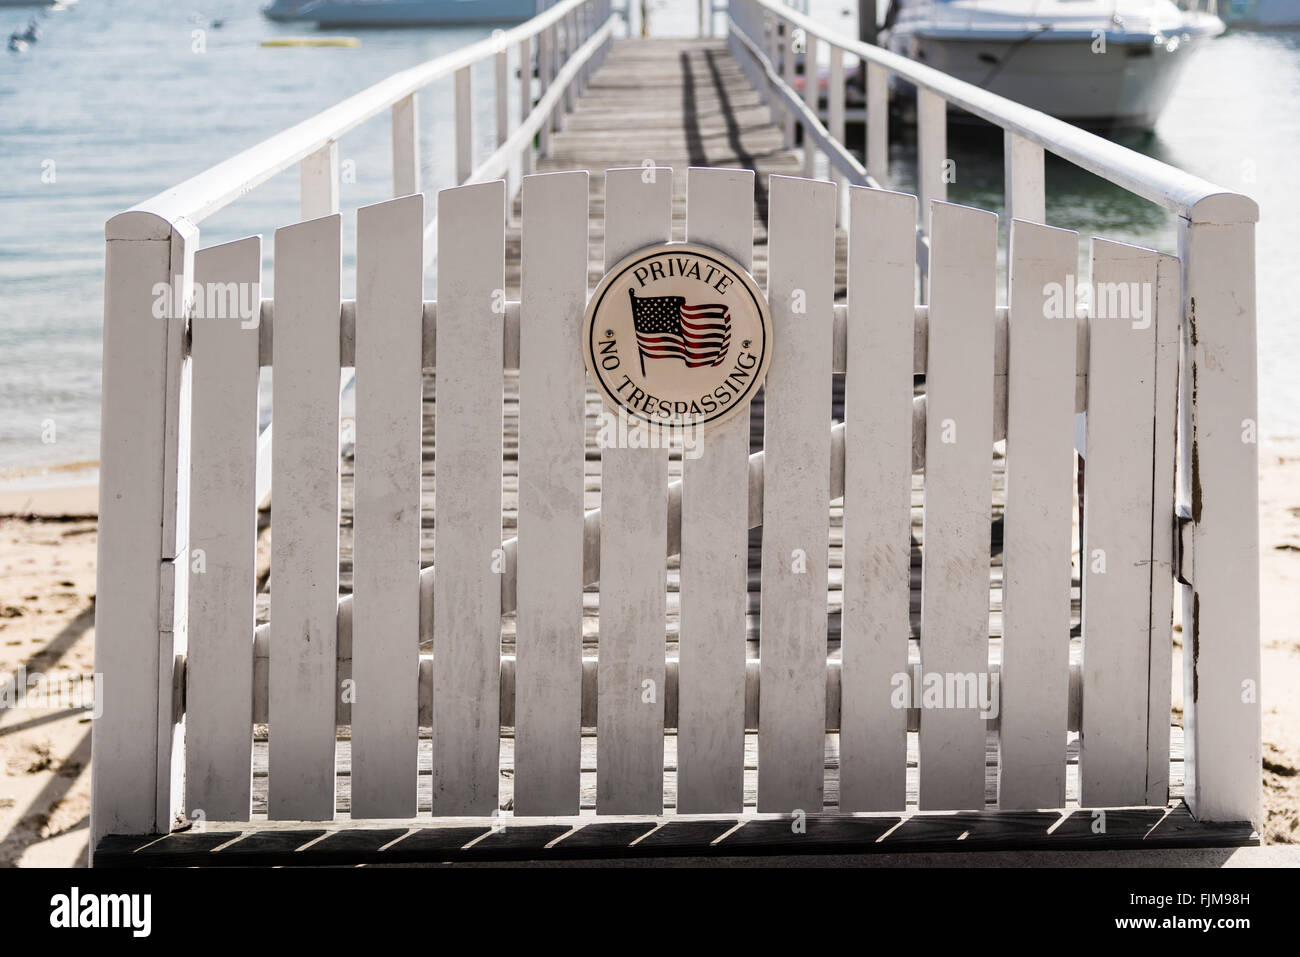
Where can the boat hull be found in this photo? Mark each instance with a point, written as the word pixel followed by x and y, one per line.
pixel 1126 87
pixel 400 13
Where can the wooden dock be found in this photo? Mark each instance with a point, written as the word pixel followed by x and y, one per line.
pixel 677 103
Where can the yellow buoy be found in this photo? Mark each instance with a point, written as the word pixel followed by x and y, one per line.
pixel 312 42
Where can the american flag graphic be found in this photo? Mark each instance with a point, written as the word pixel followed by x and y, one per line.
pixel 667 328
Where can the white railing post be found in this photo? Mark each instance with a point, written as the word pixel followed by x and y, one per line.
pixel 553 69
pixel 318 176
pixel 464 124
pixel 877 123
pixel 406 146
pixel 835 120
pixel 526 99
pixel 140 610
pixel 570 44
pixel 1024 185
pixel 786 40
pixel 1219 486
pixel 931 150
pixel 810 92
pixel 502 93
pixel 545 48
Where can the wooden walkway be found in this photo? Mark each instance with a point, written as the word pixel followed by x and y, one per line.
pixel 677 103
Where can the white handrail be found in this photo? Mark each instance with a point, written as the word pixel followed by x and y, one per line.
pixel 1191 197
pixel 216 187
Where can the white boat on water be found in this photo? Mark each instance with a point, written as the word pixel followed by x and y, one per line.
pixel 1098 63
pixel 400 13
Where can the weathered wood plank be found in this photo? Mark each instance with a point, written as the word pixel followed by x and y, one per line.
pixel 223 538
pixel 1036 558
pixel 715 546
pixel 877 497
pixel 796 489
pixel 467 589
pixel 304 552
pixel 1117 525
pixel 633 543
pixel 552 394
pixel 958 500
pixel 386 533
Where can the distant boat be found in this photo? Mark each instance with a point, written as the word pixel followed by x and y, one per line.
pixel 1260 13
pixel 37 3
pixel 400 13
pixel 1050 55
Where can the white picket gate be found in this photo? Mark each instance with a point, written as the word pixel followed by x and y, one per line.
pixel 989 374
pixel 1168 392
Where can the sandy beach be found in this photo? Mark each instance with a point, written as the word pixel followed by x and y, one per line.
pixel 47 601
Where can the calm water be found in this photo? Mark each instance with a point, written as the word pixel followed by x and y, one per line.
pixel 115 103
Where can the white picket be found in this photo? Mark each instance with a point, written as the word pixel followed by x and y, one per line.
pixel 796 520
pixel 1034 688
pixel 222 534
pixel 386 521
pixel 552 392
pixel 958 500
pixel 467 537
pixel 305 542
pixel 877 497
pixel 1169 304
pixel 1117 526
pixel 633 545
pixel 715 547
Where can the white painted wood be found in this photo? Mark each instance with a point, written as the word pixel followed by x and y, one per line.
pixel 1024 180
pixel 787 58
pixel 304 549
pixel 464 111
pixel 1117 530
pixel 526 101
pixel 319 182
pixel 570 45
pixel 552 392
pixel 406 146
pixel 1037 531
pixel 715 548
pixel 958 498
pixel 128 582
pixel 835 115
pixel 1168 304
pixel 554 64
pixel 796 523
pixel 501 91
pixel 877 498
pixel 931 151
pixel 633 544
pixel 810 100
pixel 1221 487
pixel 386 520
pixel 222 537
pixel 878 123
pixel 467 587
pixel 545 53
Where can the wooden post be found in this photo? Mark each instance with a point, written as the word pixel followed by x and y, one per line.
pixel 835 121
pixel 406 146
pixel 318 175
pixel 140 605
pixel 525 99
pixel 545 48
pixel 1024 186
pixel 464 125
pixel 1219 483
pixel 501 91
pixel 786 42
pixel 810 99
pixel 878 124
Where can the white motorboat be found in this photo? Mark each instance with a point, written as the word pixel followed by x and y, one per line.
pixel 1098 63
pixel 400 13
